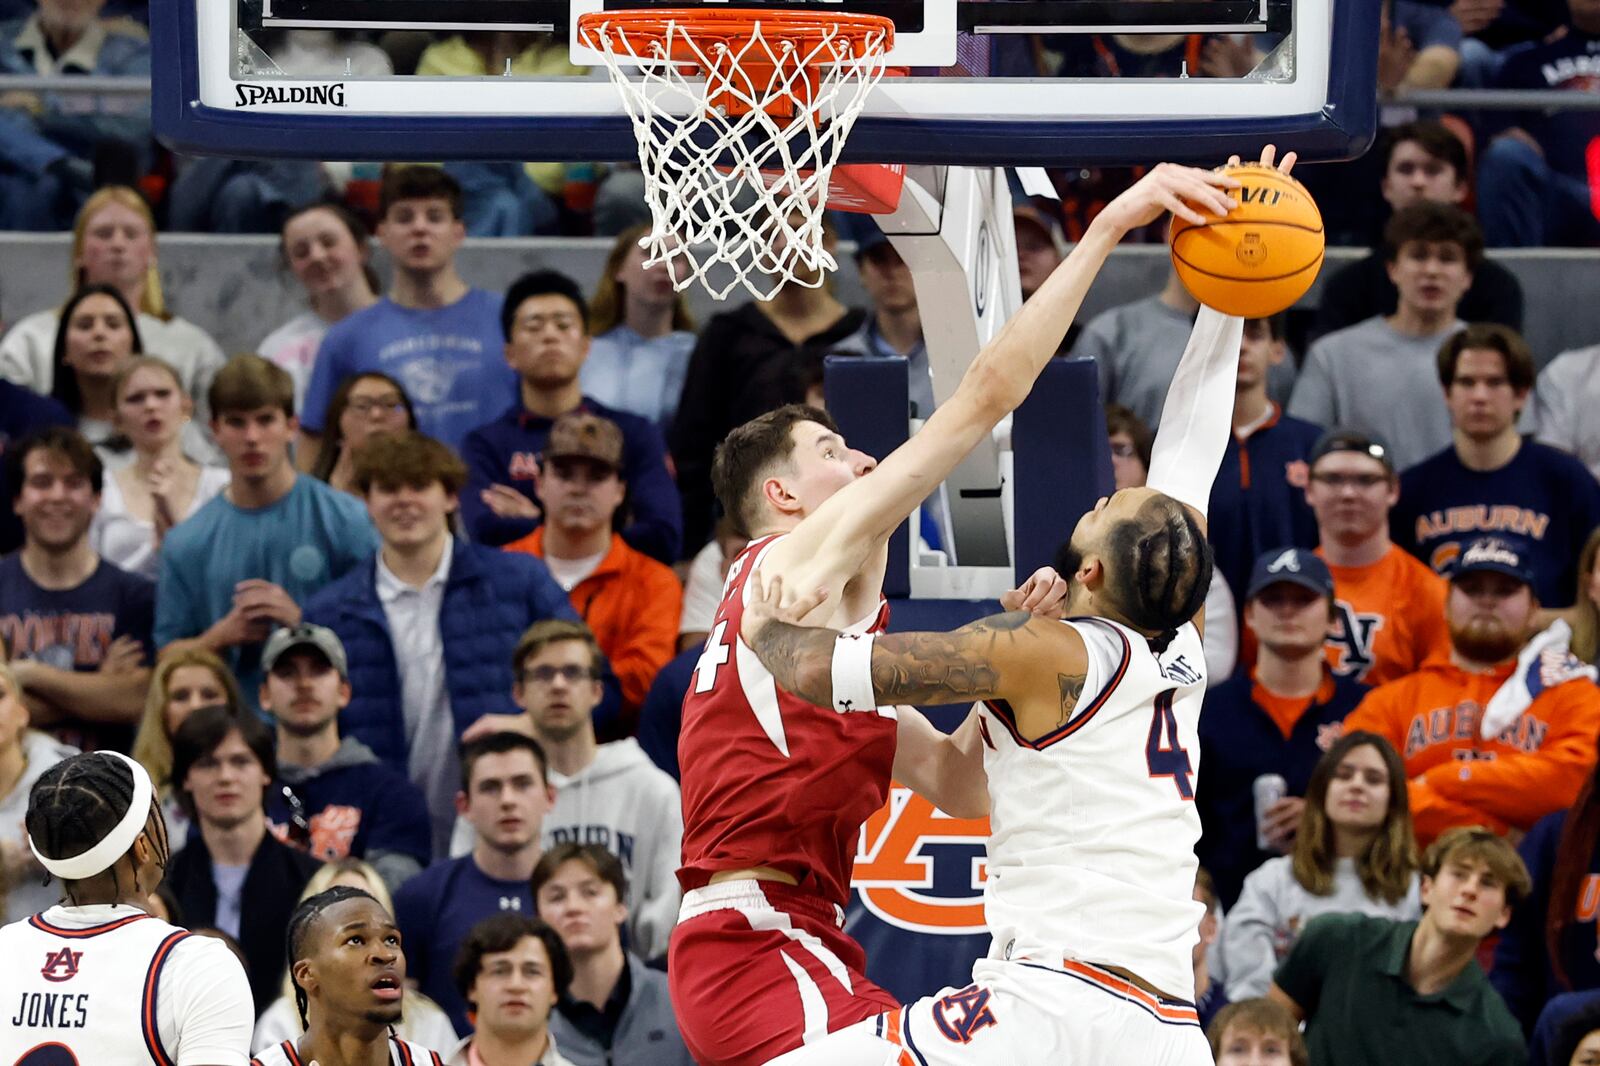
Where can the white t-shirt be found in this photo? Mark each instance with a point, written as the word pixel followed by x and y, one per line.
pixel 128 542
pixel 568 572
pixel 293 346
pixel 103 965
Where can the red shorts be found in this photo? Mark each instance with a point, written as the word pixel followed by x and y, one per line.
pixel 758 969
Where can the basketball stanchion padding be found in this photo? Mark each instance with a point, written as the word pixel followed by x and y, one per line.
pixel 1263 256
pixel 740 116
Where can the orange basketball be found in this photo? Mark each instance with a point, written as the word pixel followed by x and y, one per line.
pixel 1263 256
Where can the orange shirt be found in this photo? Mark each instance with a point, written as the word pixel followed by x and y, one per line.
pixel 632 604
pixel 1458 778
pixel 1389 618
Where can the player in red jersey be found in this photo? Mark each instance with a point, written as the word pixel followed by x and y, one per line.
pixel 775 790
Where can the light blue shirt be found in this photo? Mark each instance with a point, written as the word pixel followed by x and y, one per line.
pixel 640 375
pixel 302 542
pixel 450 360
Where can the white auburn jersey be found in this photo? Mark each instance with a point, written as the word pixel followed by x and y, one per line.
pixel 1093 826
pixel 401 1053
pixel 107 985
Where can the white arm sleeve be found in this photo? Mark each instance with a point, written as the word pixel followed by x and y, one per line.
pixel 1198 417
pixel 204 1012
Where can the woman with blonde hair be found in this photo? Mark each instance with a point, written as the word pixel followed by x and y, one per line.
pixel 1355 852
pixel 25 755
pixel 161 487
pixel 182 683
pixel 114 243
pixel 425 1022
pixel 642 335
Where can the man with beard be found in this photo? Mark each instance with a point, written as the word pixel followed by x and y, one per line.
pixel 546 327
pixel 349 979
pixel 333 797
pixel 1434 717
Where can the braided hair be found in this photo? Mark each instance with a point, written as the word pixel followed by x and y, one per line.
pixel 77 802
pixel 301 921
pixel 1158 569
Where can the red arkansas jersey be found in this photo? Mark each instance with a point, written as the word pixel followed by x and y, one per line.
pixel 769 779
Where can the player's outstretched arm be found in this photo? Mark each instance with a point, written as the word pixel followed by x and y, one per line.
pixel 1014 656
pixel 831 545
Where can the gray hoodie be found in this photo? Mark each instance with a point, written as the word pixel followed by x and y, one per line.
pixel 629 806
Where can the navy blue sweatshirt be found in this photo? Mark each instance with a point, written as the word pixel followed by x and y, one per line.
pixel 1543 502
pixel 1258 501
pixel 506 451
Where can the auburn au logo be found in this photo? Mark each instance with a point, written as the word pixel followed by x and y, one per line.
pixel 60 965
pixel 902 845
pixel 1351 638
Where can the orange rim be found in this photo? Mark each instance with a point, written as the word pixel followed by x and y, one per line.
pixel 647 26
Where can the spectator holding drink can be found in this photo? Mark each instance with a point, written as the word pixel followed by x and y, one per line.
pixel 1354 853
pixel 1263 732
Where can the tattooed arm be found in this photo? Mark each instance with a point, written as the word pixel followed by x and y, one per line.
pixel 1035 664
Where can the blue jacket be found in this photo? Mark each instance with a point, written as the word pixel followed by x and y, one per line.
pixel 75 124
pixel 505 451
pixel 1238 743
pixel 490 598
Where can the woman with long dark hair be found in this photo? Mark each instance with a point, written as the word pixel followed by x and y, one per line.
pixel 363 406
pixel 1355 852
pixel 96 336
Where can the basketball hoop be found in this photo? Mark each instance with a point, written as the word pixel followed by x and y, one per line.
pixel 740 117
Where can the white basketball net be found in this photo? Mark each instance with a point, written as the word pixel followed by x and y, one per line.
pixel 710 204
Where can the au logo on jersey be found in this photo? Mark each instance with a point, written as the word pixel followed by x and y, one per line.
pixel 1352 637
pixel 960 1014
pixel 920 869
pixel 61 965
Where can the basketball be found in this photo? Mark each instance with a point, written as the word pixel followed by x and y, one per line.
pixel 1262 257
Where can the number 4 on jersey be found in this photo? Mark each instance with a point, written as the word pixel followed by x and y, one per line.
pixel 1166 756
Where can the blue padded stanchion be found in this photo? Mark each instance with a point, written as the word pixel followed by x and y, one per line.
pixel 869 398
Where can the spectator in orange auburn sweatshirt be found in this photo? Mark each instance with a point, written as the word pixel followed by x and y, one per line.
pixel 630 601
pixel 1531 766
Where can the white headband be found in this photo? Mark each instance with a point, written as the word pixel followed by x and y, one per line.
pixel 99 858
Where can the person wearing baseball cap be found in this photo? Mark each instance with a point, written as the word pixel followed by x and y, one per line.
pixel 1388 606
pixel 545 321
pixel 1466 765
pixel 630 601
pixel 1278 718
pixel 333 797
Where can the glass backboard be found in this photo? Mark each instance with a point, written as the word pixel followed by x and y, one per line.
pixel 978 82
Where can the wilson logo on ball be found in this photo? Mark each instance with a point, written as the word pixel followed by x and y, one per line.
pixel 920 869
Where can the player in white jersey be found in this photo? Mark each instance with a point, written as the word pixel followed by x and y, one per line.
pixel 1088 736
pixel 96 980
pixel 349 980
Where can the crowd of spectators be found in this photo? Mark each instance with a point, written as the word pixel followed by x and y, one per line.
pixel 408 599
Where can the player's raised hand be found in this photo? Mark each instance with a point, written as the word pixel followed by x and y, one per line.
pixel 1269 154
pixel 1185 191
pixel 1043 594
pixel 767 603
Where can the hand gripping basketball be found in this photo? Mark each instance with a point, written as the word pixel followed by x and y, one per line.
pixel 1184 191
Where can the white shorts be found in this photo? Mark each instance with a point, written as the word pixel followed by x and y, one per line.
pixel 1022 1014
